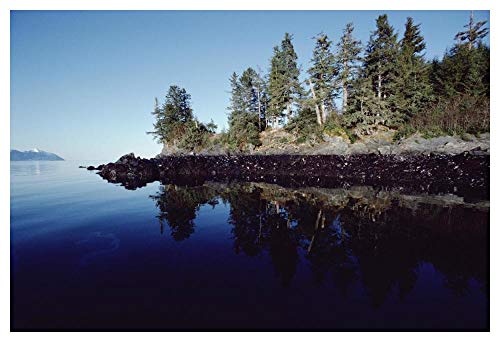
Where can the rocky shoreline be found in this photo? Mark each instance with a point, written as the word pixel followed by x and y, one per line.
pixel 280 142
pixel 466 174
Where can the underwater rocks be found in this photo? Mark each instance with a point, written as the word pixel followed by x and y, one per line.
pixel 465 174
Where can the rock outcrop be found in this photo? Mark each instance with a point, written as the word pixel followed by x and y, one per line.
pixel 280 142
pixel 465 174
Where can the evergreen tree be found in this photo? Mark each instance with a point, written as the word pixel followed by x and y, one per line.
pixel 175 112
pixel 465 68
pixel 322 79
pixel 236 100
pixel 380 59
pixel 363 108
pixel 211 127
pixel 461 85
pixel 293 89
pixel 249 91
pixel 277 86
pixel 347 58
pixel 262 99
pixel 374 91
pixel 158 131
pixel 247 109
pixel 284 85
pixel 177 106
pixel 413 89
pixel 474 33
pixel 175 124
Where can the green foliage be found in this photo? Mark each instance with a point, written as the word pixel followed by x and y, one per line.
pixel 433 132
pixel 244 130
pixel 335 126
pixel 474 33
pixel 413 88
pixel 301 140
pixel 211 127
pixel 352 137
pixel 461 86
pixel 284 140
pixel 366 110
pixel 392 85
pixel 374 90
pixel 463 71
pixel 381 59
pixel 175 112
pixel 323 73
pixel 403 132
pixel 175 124
pixel 284 85
pixel 304 126
pixel 248 109
pixel 456 115
pixel 347 62
pixel 195 136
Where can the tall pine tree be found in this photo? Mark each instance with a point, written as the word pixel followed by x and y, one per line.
pixel 380 64
pixel 284 84
pixel 464 69
pixel 173 115
pixel 474 33
pixel 322 80
pixel 247 108
pixel 413 89
pixel 347 59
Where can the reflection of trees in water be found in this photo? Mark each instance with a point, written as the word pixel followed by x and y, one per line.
pixel 178 206
pixel 374 237
pixel 260 224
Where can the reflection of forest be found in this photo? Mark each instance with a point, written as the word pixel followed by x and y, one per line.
pixel 377 237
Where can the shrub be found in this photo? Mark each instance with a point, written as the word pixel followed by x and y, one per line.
pixel 456 115
pixel 352 137
pixel 304 125
pixel 403 132
pixel 334 127
pixel 195 136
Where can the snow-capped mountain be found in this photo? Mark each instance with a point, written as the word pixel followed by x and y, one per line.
pixel 33 154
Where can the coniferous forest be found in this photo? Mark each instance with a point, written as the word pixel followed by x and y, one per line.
pixel 350 90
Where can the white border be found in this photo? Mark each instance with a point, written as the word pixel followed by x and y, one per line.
pixel 7 5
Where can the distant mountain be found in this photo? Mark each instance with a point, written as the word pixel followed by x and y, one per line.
pixel 33 154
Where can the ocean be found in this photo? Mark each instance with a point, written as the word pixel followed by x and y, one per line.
pixel 89 255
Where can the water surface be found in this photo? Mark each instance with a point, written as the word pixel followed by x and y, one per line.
pixel 90 255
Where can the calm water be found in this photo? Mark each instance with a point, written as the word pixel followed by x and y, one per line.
pixel 90 255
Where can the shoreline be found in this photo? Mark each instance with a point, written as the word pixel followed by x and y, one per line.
pixel 466 174
pixel 279 142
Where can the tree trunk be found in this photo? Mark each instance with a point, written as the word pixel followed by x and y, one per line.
pixel 316 107
pixel 379 89
pixel 258 101
pixel 344 86
pixel 344 96
pixel 471 21
pixel 288 111
pixel 324 112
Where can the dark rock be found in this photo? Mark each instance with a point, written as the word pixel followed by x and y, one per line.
pixel 126 158
pixel 91 168
pixel 434 173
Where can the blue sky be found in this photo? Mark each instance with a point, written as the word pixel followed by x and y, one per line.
pixel 83 82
